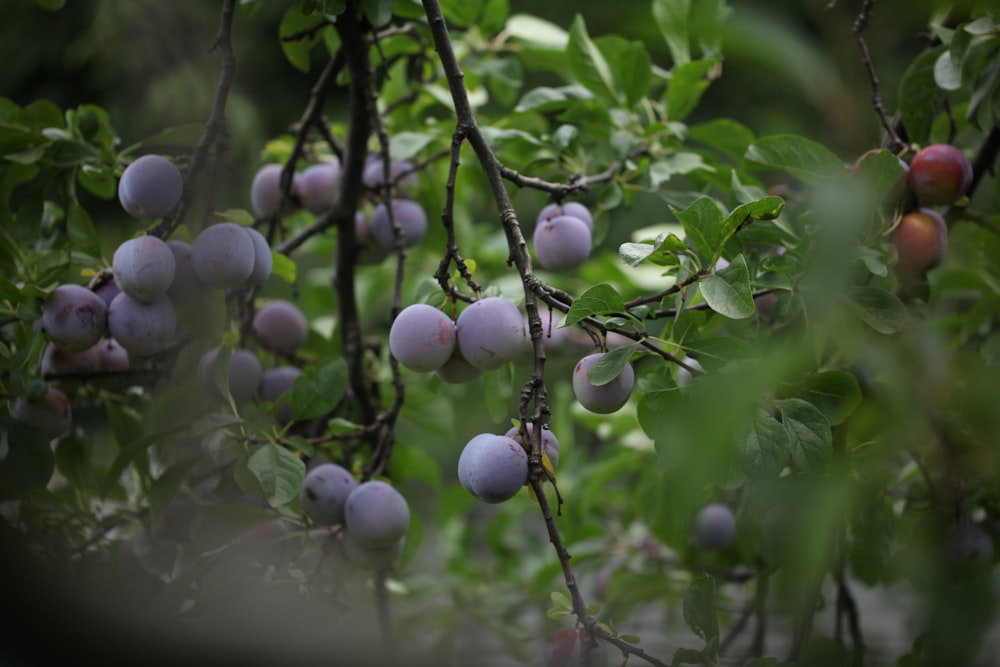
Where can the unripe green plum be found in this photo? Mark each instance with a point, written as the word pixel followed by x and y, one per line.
pixel 324 493
pixel 74 318
pixel 714 526
pixel 262 261
pixel 602 399
pixel 410 217
pixel 376 514
pixel 265 190
pixel 223 255
pixel 281 327
pixel 244 373
pixel 422 338
pixel 366 557
pixel 50 413
pixel 921 241
pixel 571 208
pixel 142 328
pixel 494 469
pixel 150 187
pixel 457 370
pixel 561 244
pixel 490 333
pixel 317 186
pixel 566 648
pixel 144 267
pixel 274 384
pixel 550 443
pixel 940 174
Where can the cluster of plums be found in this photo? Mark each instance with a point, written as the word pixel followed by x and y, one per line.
pixel 373 514
pixel 563 236
pixel 493 468
pixel 938 175
pixel 317 187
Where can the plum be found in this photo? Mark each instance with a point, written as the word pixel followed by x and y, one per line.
pixel 494 468
pixel 373 175
pixel 185 287
pixel 244 373
pixel 275 383
pixel 223 255
pixel 324 493
pixel 410 217
pixel 150 187
pixel 570 208
pixel 376 514
pixel 968 545
pixel 606 398
pixel 144 267
pixel 422 338
pixel 921 241
pixel 457 370
pixel 566 647
pixel 265 190
pixel 317 186
pixel 561 244
pixel 714 526
pixel 74 318
pixel 262 261
pixel 550 443
pixel 281 327
pixel 367 557
pixel 939 174
pixel 61 362
pixel 142 328
pixel 490 333
pixel 107 290
pixel 50 413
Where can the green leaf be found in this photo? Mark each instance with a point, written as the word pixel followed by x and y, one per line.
pixel 879 309
pixel 378 12
pixel 802 158
pixel 675 164
pixel 319 389
pixel 919 95
pixel 631 67
pixel 610 366
pixel 67 153
pixel 765 446
pixel 724 134
pixel 715 352
pixel 28 464
pixel 836 394
pixel 537 31
pixel 215 526
pixel 597 300
pixel 879 172
pixel 699 608
pixel 283 266
pixel 587 63
pixel 688 82
pixel 946 76
pixel 808 432
pixel 671 18
pixel 405 145
pixel 689 656
pixel 728 291
pixel 238 216
pixel 298 36
pixel 81 230
pixel 702 221
pixel 279 473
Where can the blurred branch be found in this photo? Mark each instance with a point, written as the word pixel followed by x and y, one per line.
pixel 860 23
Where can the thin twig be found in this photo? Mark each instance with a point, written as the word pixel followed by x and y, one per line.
pixel 860 23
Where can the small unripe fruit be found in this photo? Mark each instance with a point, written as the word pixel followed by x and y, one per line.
pixel 223 255
pixel 605 398
pixel 144 267
pixel 151 187
pixel 940 174
pixel 50 413
pixel 490 333
pixel 714 526
pixel 561 244
pixel 74 318
pixel 376 515
pixel 422 338
pixel 921 240
pixel 324 493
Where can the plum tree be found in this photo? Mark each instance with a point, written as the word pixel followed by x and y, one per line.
pixel 243 376
pixel 275 383
pixel 714 526
pixel 562 243
pixel 223 255
pixel 74 318
pixel 262 260
pixel 565 647
pixel 493 468
pixel 317 186
pixel 550 443
pixel 50 413
pixel 410 217
pixel 490 333
pixel 921 241
pixel 422 338
pixel 457 370
pixel 605 398
pixel 142 328
pixel 376 514
pixel 324 493
pixel 150 187
pixel 570 208
pixel 144 267
pixel 939 174
pixel 265 190
pixel 366 557
pixel 281 327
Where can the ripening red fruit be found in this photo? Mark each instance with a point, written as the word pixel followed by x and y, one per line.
pixel 921 240
pixel 940 174
pixel 899 187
